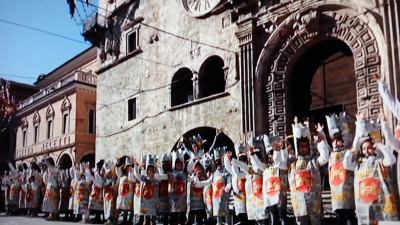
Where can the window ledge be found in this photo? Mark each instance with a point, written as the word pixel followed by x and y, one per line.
pixel 198 101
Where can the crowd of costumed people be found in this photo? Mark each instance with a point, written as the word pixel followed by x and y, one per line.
pixel 248 184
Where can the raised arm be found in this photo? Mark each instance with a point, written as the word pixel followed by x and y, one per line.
pixel 391 140
pixel 348 162
pixel 323 149
pixel 281 159
pixel 244 167
pixel 204 183
pixel 256 163
pixel 388 99
pixel 228 165
pixel 388 157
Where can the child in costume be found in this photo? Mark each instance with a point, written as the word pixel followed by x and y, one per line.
pixel 374 189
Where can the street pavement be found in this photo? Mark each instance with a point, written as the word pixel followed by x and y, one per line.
pixel 22 220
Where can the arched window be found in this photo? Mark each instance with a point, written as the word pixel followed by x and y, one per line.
pixel 65 109
pixel 36 124
pixel 182 87
pixel 211 77
pixel 50 118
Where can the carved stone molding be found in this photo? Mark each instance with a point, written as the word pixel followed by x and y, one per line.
pixel 313 26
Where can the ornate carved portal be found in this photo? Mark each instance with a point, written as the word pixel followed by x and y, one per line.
pixel 302 31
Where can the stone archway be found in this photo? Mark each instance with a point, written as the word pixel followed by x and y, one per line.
pixel 276 61
pixel 65 161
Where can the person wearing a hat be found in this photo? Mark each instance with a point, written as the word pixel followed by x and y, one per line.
pixel 163 199
pixel 110 192
pixel 96 195
pixel 148 185
pixel 126 187
pixel 304 176
pixel 393 105
pixel 221 187
pixel 374 187
pixel 177 189
pixel 52 180
pixel 65 194
pixel 195 201
pixel 275 175
pixel 253 186
pixel 341 180
pixel 83 182
pixel 6 182
pixel 238 178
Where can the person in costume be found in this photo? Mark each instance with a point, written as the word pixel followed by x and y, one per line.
pixel 195 196
pixel 32 189
pixel 238 177
pixel 65 194
pixel 304 176
pixel 275 178
pixel 163 199
pixel 148 188
pixel 6 182
pixel 393 105
pixel 221 187
pixel 374 189
pixel 341 180
pixel 96 195
pixel 177 189
pixel 52 180
pixel 253 186
pixel 15 186
pixel 83 182
pixel 110 192
pixel 126 187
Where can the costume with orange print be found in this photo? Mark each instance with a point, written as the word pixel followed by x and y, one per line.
pixel 163 199
pixel 253 185
pixel 392 137
pixel 275 170
pixel 177 188
pixel 110 191
pixel 304 177
pixel 126 187
pixel 83 182
pixel 341 180
pixel 96 203
pixel 13 197
pixel 52 180
pixel 238 180
pixel 148 183
pixel 375 194
pixel 221 186
pixel 65 194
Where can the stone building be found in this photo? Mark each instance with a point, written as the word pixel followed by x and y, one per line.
pixel 59 120
pixel 183 67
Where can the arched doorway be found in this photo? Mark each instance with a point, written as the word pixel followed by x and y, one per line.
pixel 208 134
pixel 322 82
pixel 280 62
pixel 65 162
pixel 88 158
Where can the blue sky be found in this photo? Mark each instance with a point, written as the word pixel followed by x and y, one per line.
pixel 27 53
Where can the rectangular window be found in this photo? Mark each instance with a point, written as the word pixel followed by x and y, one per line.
pixel 49 128
pixel 65 123
pixel 92 121
pixel 131 109
pixel 24 138
pixel 36 133
pixel 132 41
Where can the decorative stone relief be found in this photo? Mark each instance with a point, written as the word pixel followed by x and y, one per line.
pixel 305 28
